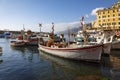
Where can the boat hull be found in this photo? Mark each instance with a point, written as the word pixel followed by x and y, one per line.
pixel 107 48
pixel 91 53
pixel 17 44
pixel 116 45
pixel 32 43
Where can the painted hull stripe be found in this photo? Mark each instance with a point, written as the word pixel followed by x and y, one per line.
pixel 71 49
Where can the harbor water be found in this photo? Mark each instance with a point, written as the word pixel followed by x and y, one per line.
pixel 27 63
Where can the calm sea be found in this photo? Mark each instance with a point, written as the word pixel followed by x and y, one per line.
pixel 27 63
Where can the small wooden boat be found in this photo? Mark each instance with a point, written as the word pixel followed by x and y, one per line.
pixel 17 43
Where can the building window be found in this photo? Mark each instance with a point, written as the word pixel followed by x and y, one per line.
pixel 119 23
pixel 108 15
pixel 114 23
pixel 118 14
pixel 113 11
pixel 103 16
pixel 119 27
pixel 108 24
pixel 108 19
pixel 113 19
pixel 113 15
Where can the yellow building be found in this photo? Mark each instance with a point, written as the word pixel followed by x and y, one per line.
pixel 109 18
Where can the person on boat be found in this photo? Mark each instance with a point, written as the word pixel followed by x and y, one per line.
pixel 51 41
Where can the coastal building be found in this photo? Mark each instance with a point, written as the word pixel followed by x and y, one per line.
pixel 94 24
pixel 109 18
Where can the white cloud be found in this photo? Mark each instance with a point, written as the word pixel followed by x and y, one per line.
pixel 94 10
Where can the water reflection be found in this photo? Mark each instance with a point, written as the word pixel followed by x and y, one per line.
pixel 73 70
pixel 111 65
pixel 115 61
pixel 27 63
pixel 1 58
pixel 26 52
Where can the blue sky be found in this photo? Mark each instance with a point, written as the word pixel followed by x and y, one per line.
pixel 64 13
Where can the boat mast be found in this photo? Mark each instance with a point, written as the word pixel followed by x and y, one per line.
pixel 53 31
pixel 84 30
pixel 68 37
pixel 40 25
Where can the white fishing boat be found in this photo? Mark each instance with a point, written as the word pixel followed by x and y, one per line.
pixel 104 38
pixel 75 51
pixel 78 52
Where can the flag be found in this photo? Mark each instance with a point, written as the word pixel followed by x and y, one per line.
pixel 82 18
pixel 82 21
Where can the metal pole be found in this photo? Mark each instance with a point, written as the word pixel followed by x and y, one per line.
pixel 40 25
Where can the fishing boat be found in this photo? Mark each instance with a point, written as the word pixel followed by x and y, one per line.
pixel 32 41
pixel 108 39
pixel 17 43
pixel 105 38
pixel 75 51
pixel 116 41
pixel 86 52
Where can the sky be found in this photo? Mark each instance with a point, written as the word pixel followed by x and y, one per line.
pixel 16 14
